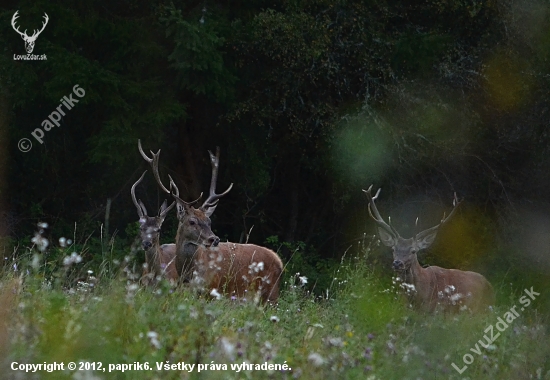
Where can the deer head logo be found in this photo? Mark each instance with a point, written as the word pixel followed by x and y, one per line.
pixel 29 40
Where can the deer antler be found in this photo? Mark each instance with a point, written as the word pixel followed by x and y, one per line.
pixel 456 202
pixel 154 162
pixel 142 211
pixel 377 218
pixel 212 201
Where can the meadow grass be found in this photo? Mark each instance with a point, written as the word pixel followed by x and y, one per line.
pixel 361 328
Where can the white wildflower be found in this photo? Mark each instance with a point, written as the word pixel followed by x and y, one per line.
pixel 40 241
pixel 74 258
pixel 36 261
pixel 316 359
pixel 256 267
pixel 228 348
pixel 153 338
pixel 410 288
pixel 335 341
pixel 214 293
pixel 455 297
pixel 449 289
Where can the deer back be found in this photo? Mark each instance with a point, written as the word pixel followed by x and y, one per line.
pixel 452 290
pixel 237 269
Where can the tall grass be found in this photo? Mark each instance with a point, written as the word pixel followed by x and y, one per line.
pixel 61 310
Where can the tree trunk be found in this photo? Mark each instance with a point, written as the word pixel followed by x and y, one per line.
pixel 294 186
pixel 4 121
pixel 186 163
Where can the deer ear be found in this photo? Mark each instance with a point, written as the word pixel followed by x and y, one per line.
pixel 163 206
pixel 181 210
pixel 424 240
pixel 210 210
pixel 387 239
pixel 143 208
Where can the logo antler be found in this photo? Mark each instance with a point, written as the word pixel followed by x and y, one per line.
pixel 29 40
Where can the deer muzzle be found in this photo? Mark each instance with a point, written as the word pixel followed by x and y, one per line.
pixel 398 265
pixel 214 241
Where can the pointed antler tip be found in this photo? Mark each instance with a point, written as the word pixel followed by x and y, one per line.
pixel 368 190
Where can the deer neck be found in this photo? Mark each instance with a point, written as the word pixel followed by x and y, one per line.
pixel 414 274
pixel 184 246
pixel 152 255
pixel 189 249
pixel 421 280
pixel 186 251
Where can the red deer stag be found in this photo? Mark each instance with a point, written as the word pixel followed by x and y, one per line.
pixel 432 288
pixel 160 259
pixel 201 259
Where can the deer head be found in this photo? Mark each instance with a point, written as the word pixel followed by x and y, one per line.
pixel 29 40
pixel 194 223
pixel 149 225
pixel 404 250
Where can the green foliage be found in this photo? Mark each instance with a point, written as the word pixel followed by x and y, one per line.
pixel 198 55
pixel 361 151
pixel 304 260
pixel 417 52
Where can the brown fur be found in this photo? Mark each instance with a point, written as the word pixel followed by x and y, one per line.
pixel 227 267
pixel 161 261
pixel 166 262
pixel 236 269
pixel 448 290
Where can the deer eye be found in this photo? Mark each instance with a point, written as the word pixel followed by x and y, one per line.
pixel 192 222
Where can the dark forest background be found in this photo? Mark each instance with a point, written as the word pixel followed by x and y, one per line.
pixel 309 101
